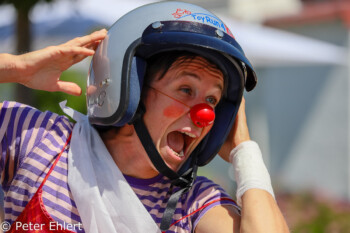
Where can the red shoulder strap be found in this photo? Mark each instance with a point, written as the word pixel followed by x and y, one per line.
pixel 56 161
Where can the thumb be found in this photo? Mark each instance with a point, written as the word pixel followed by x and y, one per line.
pixel 69 88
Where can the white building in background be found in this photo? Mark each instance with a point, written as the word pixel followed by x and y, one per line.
pixel 300 111
pixel 258 10
pixel 318 154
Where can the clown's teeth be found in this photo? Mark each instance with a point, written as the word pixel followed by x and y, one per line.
pixel 177 154
pixel 189 134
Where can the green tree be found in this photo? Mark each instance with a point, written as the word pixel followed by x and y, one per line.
pixel 23 38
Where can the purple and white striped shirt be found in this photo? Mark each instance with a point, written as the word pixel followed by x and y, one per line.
pixel 30 140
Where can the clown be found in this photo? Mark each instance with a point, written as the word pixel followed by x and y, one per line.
pixel 165 87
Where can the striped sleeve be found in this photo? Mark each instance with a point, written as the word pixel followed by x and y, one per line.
pixel 205 195
pixel 21 128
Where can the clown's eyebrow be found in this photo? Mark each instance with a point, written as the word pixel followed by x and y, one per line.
pixel 187 73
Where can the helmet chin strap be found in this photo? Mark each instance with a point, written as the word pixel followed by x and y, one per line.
pixel 184 181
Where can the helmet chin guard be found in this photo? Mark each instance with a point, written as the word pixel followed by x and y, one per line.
pixel 117 71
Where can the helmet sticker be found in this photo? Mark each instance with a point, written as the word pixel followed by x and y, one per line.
pixel 180 12
pixel 203 18
pixel 229 32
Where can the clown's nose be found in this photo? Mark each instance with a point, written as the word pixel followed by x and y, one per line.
pixel 202 115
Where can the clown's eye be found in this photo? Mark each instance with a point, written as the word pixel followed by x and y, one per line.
pixel 186 90
pixel 211 100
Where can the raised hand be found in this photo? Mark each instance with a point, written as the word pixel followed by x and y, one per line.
pixel 238 134
pixel 42 69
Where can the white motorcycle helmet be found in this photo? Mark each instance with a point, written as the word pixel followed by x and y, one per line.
pixel 117 70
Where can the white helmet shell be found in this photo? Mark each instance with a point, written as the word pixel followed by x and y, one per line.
pixel 105 76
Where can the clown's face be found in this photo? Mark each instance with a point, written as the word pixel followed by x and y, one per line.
pixel 186 84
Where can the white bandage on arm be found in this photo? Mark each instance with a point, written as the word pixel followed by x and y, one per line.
pixel 250 170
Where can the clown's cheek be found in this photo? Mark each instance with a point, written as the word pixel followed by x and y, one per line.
pixel 174 111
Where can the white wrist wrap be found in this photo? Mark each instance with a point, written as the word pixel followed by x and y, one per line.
pixel 250 170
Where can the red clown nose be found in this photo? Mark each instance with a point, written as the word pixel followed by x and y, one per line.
pixel 202 115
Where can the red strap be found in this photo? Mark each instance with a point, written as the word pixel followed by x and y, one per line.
pixel 56 161
pixel 169 96
pixel 206 205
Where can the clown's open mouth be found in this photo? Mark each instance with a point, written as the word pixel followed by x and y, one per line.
pixel 180 141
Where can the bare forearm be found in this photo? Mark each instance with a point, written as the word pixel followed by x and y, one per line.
pixel 10 67
pixel 260 213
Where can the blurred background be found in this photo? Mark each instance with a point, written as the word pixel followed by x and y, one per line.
pixel 299 112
